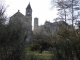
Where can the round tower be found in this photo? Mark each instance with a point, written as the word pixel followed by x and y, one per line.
pixel 35 23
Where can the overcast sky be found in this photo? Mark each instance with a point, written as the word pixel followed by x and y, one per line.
pixel 41 9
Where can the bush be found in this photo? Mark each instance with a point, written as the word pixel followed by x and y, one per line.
pixel 68 46
pixel 34 47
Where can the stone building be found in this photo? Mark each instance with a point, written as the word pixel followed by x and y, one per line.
pixel 26 20
pixel 49 27
pixel 35 23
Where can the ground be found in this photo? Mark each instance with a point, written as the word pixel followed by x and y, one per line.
pixel 35 55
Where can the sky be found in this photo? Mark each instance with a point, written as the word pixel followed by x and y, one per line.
pixel 41 9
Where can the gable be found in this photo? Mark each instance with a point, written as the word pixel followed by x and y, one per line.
pixel 18 16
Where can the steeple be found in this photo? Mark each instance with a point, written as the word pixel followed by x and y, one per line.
pixel 29 15
pixel 29 6
pixel 29 10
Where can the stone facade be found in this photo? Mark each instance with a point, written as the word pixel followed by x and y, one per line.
pixel 26 20
pixel 35 23
pixel 50 28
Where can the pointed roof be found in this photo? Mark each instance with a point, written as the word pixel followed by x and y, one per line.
pixel 29 6
pixel 18 14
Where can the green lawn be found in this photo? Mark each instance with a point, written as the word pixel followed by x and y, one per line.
pixel 37 55
pixel 27 49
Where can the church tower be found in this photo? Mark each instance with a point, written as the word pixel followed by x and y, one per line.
pixel 29 20
pixel 29 15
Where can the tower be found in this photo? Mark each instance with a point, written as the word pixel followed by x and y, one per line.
pixel 35 23
pixel 29 15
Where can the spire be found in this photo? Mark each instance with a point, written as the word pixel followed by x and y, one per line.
pixel 29 6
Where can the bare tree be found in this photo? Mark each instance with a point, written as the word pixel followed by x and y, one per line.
pixel 68 9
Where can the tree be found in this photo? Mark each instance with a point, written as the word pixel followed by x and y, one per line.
pixel 3 33
pixel 12 39
pixel 68 10
pixel 41 41
pixel 12 42
pixel 41 45
pixel 74 8
pixel 67 45
pixel 62 8
pixel 17 34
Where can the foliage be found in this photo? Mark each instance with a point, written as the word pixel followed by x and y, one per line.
pixel 42 40
pixel 12 39
pixel 41 45
pixel 67 46
pixel 34 47
pixel 67 10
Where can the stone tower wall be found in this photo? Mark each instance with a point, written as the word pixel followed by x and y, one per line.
pixel 35 23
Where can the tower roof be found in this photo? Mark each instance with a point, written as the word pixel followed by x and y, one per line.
pixel 29 6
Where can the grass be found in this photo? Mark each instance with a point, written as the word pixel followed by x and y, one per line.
pixel 35 55
pixel 44 55
pixel 27 49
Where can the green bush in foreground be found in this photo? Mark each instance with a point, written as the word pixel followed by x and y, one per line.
pixel 41 45
pixel 67 47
